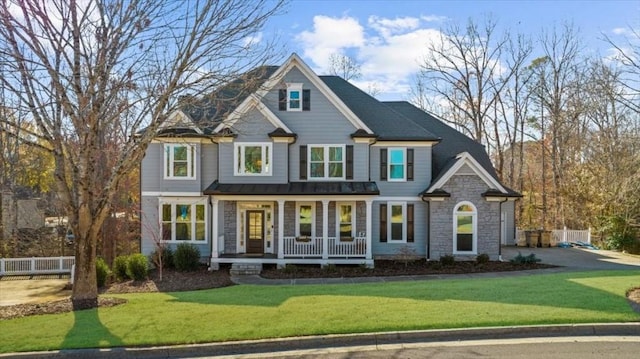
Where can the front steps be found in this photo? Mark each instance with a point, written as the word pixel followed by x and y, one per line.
pixel 245 269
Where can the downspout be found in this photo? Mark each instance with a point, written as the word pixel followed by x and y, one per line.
pixel 428 228
pixel 500 228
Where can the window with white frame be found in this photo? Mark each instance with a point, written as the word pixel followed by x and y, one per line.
pixel 397 168
pixel 252 159
pixel 183 220
pixel 294 97
pixel 465 228
pixel 326 162
pixel 179 161
pixel 397 222
pixel 345 219
pixel 305 220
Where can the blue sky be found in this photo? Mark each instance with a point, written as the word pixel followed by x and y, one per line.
pixel 388 37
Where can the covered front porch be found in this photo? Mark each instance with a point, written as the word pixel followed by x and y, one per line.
pixel 293 228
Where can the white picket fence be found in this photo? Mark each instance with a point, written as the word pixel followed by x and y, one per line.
pixel 565 235
pixel 36 265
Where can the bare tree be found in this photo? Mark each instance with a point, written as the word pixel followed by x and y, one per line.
pixel 82 69
pixel 628 57
pixel 344 66
pixel 464 69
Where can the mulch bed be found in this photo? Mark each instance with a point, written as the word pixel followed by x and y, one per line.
pixel 174 281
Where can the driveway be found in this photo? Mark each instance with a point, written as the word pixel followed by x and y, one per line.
pixel 577 258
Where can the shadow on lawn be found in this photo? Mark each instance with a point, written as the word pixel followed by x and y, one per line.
pixel 89 332
pixel 553 290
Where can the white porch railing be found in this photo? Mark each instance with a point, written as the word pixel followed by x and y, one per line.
pixel 336 249
pixel 36 265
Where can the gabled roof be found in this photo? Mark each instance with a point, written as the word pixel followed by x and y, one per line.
pixel 208 110
pixel 447 156
pixel 386 123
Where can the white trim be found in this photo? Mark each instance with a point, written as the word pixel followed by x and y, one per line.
pixel 251 101
pixel 192 156
pixel 294 87
pixel 397 199
pixel 353 218
pixel 179 119
pixel 474 228
pixel 183 139
pixel 267 231
pixel 269 158
pixel 295 60
pixel 404 164
pixel 313 217
pixel 170 194
pixel 173 201
pixel 326 162
pixel 381 143
pixel 390 222
pixel 366 140
pixel 466 158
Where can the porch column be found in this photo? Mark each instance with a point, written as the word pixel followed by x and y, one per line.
pixel 215 251
pixel 369 203
pixel 325 229
pixel 280 228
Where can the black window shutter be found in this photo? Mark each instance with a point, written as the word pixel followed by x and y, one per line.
pixel 349 171
pixel 306 100
pixel 383 223
pixel 303 162
pixel 409 164
pixel 383 164
pixel 282 100
pixel 409 222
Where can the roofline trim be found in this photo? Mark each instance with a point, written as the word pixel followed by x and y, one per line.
pixel 177 117
pixel 251 101
pixel 466 158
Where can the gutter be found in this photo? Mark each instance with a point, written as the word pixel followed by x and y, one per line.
pixel 500 228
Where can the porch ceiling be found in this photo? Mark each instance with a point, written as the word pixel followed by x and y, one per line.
pixel 294 188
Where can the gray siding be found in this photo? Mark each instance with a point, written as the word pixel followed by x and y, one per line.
pixel 209 164
pixel 421 173
pixel 253 128
pixel 152 176
pixel 465 188
pixel 324 124
pixel 387 249
pixel 150 230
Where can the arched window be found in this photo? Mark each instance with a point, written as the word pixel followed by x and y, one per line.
pixel 465 228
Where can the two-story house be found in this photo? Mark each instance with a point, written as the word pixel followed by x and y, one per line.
pixel 309 169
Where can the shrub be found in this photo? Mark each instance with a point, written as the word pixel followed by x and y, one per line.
pixel 167 257
pixel 186 257
pixel 102 272
pixel 482 258
pixel 120 267
pixel 447 260
pixel 619 242
pixel 137 267
pixel 530 259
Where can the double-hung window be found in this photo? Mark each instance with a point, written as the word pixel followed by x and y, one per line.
pixel 326 162
pixel 183 220
pixel 465 228
pixel 305 225
pixel 397 168
pixel 253 159
pixel 345 219
pixel 397 222
pixel 294 97
pixel 179 161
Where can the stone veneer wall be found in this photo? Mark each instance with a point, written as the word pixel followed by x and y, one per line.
pixel 465 188
pixel 230 226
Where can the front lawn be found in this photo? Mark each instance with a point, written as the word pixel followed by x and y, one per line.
pixel 253 312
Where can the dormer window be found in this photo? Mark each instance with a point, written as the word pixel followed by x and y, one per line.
pixel 294 98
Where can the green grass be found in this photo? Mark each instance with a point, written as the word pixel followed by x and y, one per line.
pixel 253 312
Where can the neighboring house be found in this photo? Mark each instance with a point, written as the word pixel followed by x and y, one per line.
pixel 310 169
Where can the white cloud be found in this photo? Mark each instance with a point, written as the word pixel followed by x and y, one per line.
pixel 250 41
pixel 387 27
pixel 433 18
pixel 620 31
pixel 329 36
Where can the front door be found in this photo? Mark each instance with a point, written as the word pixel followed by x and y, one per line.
pixel 255 231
